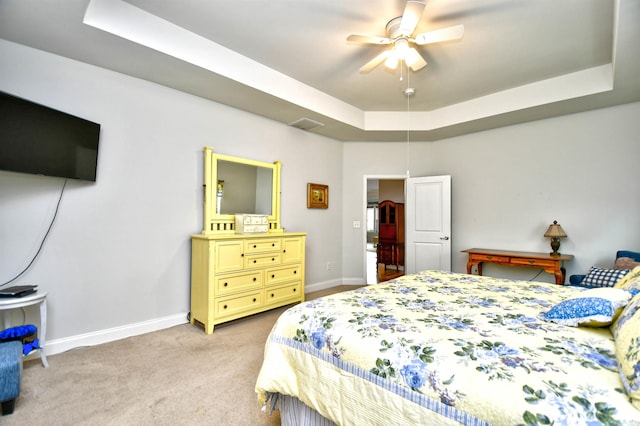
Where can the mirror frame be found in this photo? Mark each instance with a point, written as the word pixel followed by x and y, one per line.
pixel 215 223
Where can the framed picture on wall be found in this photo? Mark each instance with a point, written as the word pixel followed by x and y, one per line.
pixel 317 196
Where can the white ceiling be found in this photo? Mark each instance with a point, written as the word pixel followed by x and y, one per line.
pixel 519 60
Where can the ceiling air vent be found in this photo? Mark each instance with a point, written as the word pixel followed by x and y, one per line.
pixel 306 124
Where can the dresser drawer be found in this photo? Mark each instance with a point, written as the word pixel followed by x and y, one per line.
pixel 228 284
pixel 279 295
pixel 488 258
pixel 533 262
pixel 275 276
pixel 261 245
pixel 261 260
pixel 234 305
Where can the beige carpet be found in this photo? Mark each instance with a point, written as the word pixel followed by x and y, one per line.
pixel 177 376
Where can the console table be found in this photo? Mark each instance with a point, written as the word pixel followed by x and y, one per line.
pixel 550 264
pixel 38 298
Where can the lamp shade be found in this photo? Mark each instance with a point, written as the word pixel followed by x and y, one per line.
pixel 555 231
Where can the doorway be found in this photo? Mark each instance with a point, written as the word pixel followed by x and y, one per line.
pixel 378 189
pixel 428 213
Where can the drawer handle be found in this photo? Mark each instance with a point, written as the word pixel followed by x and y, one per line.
pixel 531 261
pixel 255 279
pixel 255 261
pixel 254 299
pixel 254 246
pixel 273 244
pixel 284 251
pixel 295 272
pixel 224 307
pixel 294 290
pixel 273 275
pixel 273 295
pixel 226 284
pixel 242 255
pixel 273 259
pixel 489 257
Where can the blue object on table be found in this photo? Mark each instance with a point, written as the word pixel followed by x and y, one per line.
pixel 17 333
pixel 22 333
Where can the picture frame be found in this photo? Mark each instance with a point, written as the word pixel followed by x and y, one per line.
pixel 317 196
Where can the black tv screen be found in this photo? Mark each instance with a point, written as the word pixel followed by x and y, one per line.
pixel 43 141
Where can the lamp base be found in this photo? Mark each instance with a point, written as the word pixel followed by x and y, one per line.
pixel 555 245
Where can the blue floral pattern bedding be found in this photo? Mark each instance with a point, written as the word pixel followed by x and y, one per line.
pixel 445 348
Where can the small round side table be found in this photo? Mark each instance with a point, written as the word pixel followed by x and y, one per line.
pixel 36 298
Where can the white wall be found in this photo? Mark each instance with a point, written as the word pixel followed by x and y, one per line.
pixel 509 184
pixel 117 259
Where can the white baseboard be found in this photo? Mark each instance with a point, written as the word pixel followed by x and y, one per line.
pixel 57 346
pixel 310 288
pixel 353 281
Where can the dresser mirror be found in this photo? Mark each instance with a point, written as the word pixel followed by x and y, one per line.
pixel 244 188
pixel 235 185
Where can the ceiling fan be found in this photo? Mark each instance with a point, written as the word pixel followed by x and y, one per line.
pixel 400 37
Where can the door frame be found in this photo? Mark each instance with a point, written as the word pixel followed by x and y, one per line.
pixel 364 213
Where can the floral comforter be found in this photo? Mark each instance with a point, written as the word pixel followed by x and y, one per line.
pixel 445 348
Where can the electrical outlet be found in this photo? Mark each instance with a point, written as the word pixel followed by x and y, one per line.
pixel 356 224
pixel 329 266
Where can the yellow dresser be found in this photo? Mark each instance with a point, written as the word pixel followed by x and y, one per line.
pixel 235 275
pixel 243 263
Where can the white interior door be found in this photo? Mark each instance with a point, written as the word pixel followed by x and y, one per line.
pixel 428 224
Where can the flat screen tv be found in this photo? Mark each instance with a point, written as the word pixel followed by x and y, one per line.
pixel 40 140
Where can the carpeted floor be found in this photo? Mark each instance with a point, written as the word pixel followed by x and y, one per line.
pixel 177 376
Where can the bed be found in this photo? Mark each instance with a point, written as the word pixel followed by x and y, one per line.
pixel 446 348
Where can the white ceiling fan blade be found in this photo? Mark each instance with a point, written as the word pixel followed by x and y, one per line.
pixel 375 62
pixel 411 16
pixel 450 33
pixel 417 59
pixel 366 39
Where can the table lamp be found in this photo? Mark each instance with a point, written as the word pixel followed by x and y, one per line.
pixel 555 232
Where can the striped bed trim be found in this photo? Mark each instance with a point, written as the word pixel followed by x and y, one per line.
pixel 400 390
pixel 294 412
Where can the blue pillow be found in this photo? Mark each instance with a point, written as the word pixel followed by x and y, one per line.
pixel 599 277
pixel 597 307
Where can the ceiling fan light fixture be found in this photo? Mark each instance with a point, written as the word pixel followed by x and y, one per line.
pixel 392 60
pixel 401 51
pixel 402 46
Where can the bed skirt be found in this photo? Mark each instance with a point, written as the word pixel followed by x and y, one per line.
pixel 294 412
